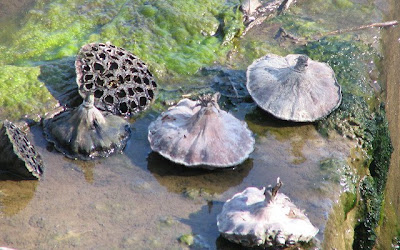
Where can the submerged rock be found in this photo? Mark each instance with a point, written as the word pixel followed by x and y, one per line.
pixel 199 133
pixel 256 217
pixel 121 82
pixel 18 156
pixel 294 87
pixel 86 133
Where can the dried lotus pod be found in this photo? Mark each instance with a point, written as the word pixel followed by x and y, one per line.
pixel 18 156
pixel 86 133
pixel 257 218
pixel 294 87
pixel 121 82
pixel 199 133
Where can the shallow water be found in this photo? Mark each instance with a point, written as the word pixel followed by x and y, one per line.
pixel 140 200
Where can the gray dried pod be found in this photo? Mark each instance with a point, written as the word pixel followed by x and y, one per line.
pixel 121 82
pixel 199 133
pixel 18 156
pixel 294 87
pixel 258 218
pixel 86 133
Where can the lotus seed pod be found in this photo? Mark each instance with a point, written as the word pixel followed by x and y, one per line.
pixel 294 87
pixel 199 133
pixel 256 218
pixel 18 156
pixel 120 81
pixel 86 133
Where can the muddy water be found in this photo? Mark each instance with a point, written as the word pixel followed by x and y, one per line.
pixel 391 46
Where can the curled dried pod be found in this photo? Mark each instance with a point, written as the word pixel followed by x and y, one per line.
pixel 255 217
pixel 86 133
pixel 198 133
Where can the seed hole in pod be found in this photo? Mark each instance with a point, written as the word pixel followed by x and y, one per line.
pixel 109 50
pixel 88 77
pixel 154 84
pixel 146 81
pixel 115 58
pixel 102 45
pixel 99 82
pixel 98 93
pixel 109 75
pixel 134 70
pixel 89 86
pixel 113 66
pixel 121 93
pixel 99 67
pixel 127 61
pixel 112 46
pixel 140 65
pixel 102 56
pixel 89 55
pixel 109 99
pixel 132 57
pixel 123 107
pixel 139 89
pixel 151 94
pixel 149 73
pixel 133 105
pixel 86 68
pixel 95 49
pixel 137 79
pixel 142 101
pixel 120 53
pixel 120 79
pixel 131 92
pixel 128 78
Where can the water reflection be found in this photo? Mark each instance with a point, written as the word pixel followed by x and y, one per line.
pixel 177 178
pixel 16 195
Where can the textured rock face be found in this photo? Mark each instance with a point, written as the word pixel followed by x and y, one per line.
pixel 199 133
pixel 18 156
pixel 87 133
pixel 121 82
pixel 294 87
pixel 254 218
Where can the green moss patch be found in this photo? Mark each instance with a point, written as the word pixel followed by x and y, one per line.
pixel 21 93
pixel 177 37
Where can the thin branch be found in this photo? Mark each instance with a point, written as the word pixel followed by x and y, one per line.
pixel 372 25
pixel 282 33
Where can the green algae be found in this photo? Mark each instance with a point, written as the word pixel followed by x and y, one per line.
pixel 187 239
pixel 177 37
pixel 21 93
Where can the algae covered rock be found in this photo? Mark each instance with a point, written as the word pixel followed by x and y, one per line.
pixel 18 156
pixel 87 133
pixel 120 81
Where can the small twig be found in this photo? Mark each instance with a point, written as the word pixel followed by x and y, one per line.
pixel 372 25
pixel 282 33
